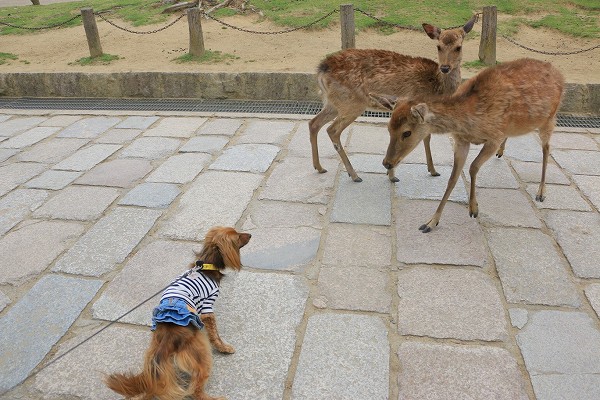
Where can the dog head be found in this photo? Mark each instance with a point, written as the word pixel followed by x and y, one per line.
pixel 222 247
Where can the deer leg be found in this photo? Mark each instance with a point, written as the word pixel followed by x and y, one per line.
pixel 500 151
pixel 545 133
pixel 335 132
pixel 461 150
pixel 430 166
pixel 327 114
pixel 392 175
pixel 487 151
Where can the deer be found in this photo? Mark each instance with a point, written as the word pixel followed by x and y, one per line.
pixel 507 100
pixel 347 77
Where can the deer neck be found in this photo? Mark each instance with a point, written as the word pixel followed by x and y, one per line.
pixel 450 81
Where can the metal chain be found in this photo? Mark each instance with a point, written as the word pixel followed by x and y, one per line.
pixel 141 32
pixel 40 27
pixel 271 33
pixel 407 27
pixel 550 53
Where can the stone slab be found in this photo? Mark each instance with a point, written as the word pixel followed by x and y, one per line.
pixel 506 207
pixel 457 240
pixel 366 202
pixel 592 292
pixel 560 140
pixel 137 122
pixel 578 161
pixel 260 365
pixel 530 268
pixel 17 125
pixel 204 144
pixel 494 173
pixel 61 120
pixel 88 157
pixel 367 163
pixel 121 172
pixel 272 214
pixel 353 288
pixel 476 372
pixel 417 183
pixel 52 151
pixel 214 198
pixel 14 174
pixel 153 195
pixel 17 205
pixel 4 117
pixel 220 126
pixel 442 152
pixel 4 301
pixel 81 203
pixel 343 357
pixel 518 317
pixel 90 127
pixel 294 179
pixel 281 248
pixel 53 180
pixel 108 242
pixel 354 245
pixel 368 138
pixel 559 197
pixel 267 132
pixel 450 304
pixel 118 136
pixel 246 157
pixel 5 154
pixel 562 347
pixel 30 137
pixel 159 263
pixel 51 238
pixel 176 127
pixel 180 168
pixel 299 146
pixel 578 235
pixel 524 148
pixel 46 310
pixel 152 148
pixel 532 172
pixel 590 186
pixel 117 349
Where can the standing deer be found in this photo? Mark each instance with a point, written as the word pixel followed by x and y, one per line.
pixel 511 99
pixel 346 78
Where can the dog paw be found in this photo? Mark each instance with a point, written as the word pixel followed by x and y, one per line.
pixel 225 348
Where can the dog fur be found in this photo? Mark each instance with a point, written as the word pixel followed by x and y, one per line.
pixel 179 360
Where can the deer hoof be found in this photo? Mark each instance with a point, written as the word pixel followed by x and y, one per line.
pixel 540 197
pixel 473 214
pixel 357 179
pixel 321 170
pixel 394 180
pixel 425 228
pixel 435 173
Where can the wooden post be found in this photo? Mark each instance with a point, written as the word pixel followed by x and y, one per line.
pixel 35 2
pixel 487 45
pixel 347 24
pixel 91 31
pixel 196 38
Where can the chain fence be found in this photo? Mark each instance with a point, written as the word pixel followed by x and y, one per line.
pixel 102 14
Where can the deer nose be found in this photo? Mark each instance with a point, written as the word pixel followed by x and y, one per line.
pixel 445 68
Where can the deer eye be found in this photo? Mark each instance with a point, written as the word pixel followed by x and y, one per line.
pixel 439 48
pixel 459 48
pixel 406 134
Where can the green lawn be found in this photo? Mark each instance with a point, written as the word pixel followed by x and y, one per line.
pixel 579 18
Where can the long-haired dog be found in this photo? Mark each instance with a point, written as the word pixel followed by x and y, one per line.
pixel 179 359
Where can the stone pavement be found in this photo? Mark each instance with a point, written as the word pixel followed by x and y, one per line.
pixel 341 296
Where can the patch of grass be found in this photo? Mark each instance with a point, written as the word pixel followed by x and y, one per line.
pixel 104 59
pixel 5 57
pixel 476 64
pixel 209 57
pixel 569 22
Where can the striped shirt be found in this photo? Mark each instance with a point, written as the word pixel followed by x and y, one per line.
pixel 198 290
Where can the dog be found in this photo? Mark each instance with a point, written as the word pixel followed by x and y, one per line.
pixel 179 360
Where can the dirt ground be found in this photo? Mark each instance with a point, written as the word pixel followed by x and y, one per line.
pixel 55 50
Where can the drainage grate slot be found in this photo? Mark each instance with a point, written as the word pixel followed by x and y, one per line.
pixel 224 106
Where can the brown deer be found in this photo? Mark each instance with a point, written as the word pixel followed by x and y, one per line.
pixel 510 99
pixel 346 78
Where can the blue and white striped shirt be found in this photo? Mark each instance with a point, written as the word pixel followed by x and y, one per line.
pixel 198 290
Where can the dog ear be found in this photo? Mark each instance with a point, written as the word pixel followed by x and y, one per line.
pixel 228 243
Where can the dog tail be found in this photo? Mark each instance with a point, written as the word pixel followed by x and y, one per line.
pixel 128 385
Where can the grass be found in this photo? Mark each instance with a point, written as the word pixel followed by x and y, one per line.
pixel 209 57
pixel 476 64
pixel 5 57
pixel 579 18
pixel 104 59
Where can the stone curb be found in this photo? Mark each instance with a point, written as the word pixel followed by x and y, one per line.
pixel 579 98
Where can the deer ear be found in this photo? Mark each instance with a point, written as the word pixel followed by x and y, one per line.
pixel 469 25
pixel 384 101
pixel 432 31
pixel 421 113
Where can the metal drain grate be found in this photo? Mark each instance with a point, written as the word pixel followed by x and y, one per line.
pixel 226 106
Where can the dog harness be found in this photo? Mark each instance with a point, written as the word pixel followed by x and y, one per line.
pixel 187 297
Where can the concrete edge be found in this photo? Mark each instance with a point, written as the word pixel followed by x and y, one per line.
pixel 578 98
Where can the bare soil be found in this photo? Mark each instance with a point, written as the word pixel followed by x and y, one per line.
pixel 56 50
